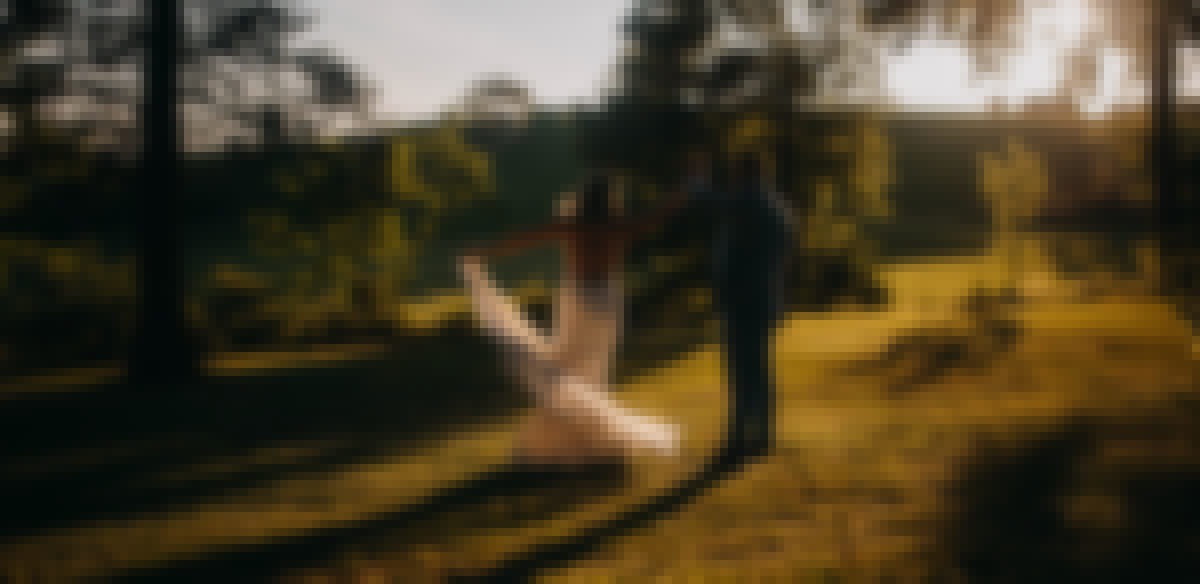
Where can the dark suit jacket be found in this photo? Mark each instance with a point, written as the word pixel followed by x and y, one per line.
pixel 754 236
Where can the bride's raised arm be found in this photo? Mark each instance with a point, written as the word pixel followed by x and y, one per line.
pixel 556 231
pixel 639 227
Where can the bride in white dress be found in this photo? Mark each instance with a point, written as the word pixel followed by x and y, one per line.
pixel 567 370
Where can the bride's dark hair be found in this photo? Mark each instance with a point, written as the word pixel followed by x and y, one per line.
pixel 595 204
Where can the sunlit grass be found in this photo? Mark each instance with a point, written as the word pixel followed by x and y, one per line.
pixel 849 491
pixel 289 506
pixel 243 362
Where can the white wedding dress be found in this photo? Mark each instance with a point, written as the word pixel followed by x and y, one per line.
pixel 575 419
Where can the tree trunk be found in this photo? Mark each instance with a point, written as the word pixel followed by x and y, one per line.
pixel 1175 212
pixel 161 351
pixel 1163 116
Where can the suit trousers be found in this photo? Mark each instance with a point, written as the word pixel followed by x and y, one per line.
pixel 749 323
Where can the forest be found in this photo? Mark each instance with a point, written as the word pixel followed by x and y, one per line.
pixel 234 343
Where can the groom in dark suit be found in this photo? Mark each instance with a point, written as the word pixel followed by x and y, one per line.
pixel 754 235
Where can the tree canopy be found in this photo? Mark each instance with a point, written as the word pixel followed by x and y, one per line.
pixel 78 65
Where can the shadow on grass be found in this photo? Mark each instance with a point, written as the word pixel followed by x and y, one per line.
pixel 424 390
pixel 477 497
pixel 916 359
pixel 559 554
pixel 1094 500
pixel 117 447
pixel 924 354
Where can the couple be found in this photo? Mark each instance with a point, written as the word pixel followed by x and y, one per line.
pixel 576 420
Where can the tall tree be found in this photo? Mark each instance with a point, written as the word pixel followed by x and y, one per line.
pixel 730 75
pixel 494 110
pixel 161 350
pixel 238 68
pixel 696 69
pixel 28 80
pixel 149 79
pixel 1172 20
pixel 1152 32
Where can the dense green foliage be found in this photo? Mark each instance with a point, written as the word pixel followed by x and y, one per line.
pixel 282 242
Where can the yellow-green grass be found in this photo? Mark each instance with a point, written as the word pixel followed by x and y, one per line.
pixel 852 463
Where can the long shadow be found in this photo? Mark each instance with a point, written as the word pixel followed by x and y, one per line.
pixel 552 491
pixel 925 354
pixel 1011 516
pixel 380 396
pixel 65 503
pixel 555 555
pixel 917 359
pixel 424 390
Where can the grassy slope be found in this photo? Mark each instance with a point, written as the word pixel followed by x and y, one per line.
pixel 854 462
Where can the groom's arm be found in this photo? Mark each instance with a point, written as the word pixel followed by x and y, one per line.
pixel 694 193
pixel 654 220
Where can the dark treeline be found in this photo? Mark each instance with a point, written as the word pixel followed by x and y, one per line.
pixel 283 220
pixel 82 206
pixel 394 205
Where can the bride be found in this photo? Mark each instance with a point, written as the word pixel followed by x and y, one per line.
pixel 566 371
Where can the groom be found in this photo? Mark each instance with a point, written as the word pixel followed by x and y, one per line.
pixel 754 233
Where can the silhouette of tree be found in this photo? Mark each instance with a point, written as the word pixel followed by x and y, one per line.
pixel 1152 33
pixel 239 71
pixel 150 80
pixel 735 75
pixel 494 110
pixel 160 352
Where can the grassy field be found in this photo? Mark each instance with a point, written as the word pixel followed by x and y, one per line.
pixel 897 428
